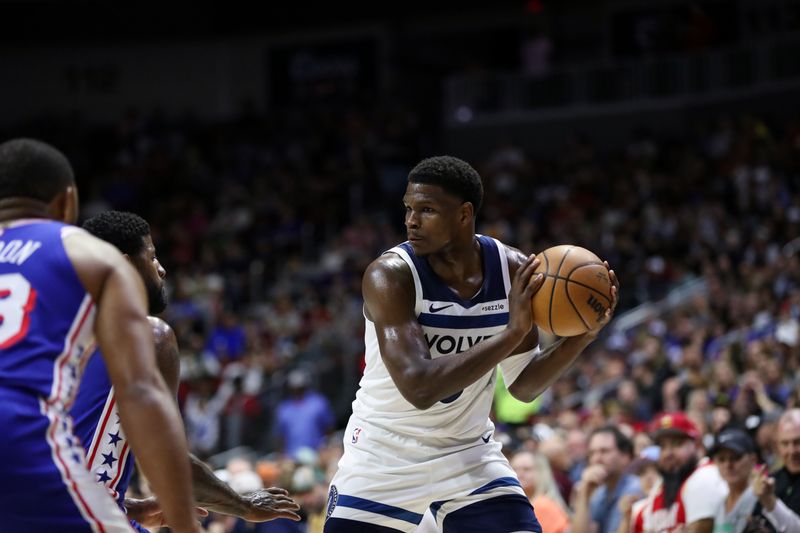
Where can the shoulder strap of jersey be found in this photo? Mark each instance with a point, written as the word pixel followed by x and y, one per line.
pixel 503 252
pixel 418 306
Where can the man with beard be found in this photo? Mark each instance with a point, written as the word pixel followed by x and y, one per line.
pixel 692 490
pixel 779 495
pixel 96 421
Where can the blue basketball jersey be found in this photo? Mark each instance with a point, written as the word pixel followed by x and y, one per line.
pixel 46 336
pixel 97 425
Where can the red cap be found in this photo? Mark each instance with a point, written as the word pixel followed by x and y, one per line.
pixel 676 423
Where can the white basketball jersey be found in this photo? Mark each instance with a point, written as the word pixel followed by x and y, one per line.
pixel 451 325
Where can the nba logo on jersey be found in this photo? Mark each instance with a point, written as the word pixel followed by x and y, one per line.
pixel 356 434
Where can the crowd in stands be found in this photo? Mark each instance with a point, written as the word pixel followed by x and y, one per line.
pixel 266 223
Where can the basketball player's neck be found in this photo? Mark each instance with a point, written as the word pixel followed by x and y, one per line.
pixel 16 208
pixel 460 266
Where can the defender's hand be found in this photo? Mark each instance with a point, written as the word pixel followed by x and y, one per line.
pixel 269 504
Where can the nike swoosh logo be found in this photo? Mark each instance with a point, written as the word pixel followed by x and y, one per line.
pixel 433 309
pixel 486 438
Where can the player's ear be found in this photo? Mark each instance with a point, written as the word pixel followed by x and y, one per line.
pixel 64 207
pixel 467 212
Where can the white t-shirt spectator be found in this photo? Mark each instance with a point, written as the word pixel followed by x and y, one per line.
pixel 699 498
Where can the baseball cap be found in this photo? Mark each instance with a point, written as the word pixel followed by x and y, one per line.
pixel 676 424
pixel 733 439
pixel 647 457
pixel 298 378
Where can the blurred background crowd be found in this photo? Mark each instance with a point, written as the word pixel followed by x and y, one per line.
pixel 266 213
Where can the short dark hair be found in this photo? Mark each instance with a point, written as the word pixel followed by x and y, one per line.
pixel 124 230
pixel 452 174
pixel 623 443
pixel 33 169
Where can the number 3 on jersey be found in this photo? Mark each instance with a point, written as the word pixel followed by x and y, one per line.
pixel 17 299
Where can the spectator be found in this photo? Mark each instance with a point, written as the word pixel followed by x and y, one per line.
pixel 779 496
pixel 691 491
pixel 201 413
pixel 644 467
pixel 227 340
pixel 577 450
pixel 304 418
pixel 604 482
pixel 537 481
pixel 554 449
pixel 734 453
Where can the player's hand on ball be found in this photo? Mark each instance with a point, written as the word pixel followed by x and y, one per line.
pixel 269 504
pixel 612 276
pixel 524 285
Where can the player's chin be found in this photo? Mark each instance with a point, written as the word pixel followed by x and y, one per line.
pixel 419 247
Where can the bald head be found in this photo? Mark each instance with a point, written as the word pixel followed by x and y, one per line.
pixel 788 440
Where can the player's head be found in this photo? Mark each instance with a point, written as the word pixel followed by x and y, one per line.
pixel 35 172
pixel 609 447
pixel 443 196
pixel 788 440
pixel 130 233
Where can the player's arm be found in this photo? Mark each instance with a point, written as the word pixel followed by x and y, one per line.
pixel 148 415
pixel 209 491
pixel 542 371
pixel 389 298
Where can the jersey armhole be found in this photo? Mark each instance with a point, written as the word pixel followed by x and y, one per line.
pixel 417 283
pixel 503 253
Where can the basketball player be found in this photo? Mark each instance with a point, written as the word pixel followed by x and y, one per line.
pixel 62 290
pixel 108 454
pixel 442 311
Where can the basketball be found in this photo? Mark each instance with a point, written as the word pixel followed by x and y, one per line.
pixel 576 291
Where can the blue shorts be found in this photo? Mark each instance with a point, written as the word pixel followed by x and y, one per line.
pixel 45 485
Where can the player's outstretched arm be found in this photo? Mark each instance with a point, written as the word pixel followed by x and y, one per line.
pixel 560 356
pixel 147 412
pixel 214 495
pixel 259 506
pixel 209 491
pixel 389 297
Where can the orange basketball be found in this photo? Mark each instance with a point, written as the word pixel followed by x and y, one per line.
pixel 576 291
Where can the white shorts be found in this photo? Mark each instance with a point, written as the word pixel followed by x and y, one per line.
pixel 392 480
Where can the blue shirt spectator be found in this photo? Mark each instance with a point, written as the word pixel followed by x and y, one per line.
pixel 604 504
pixel 304 418
pixel 227 340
